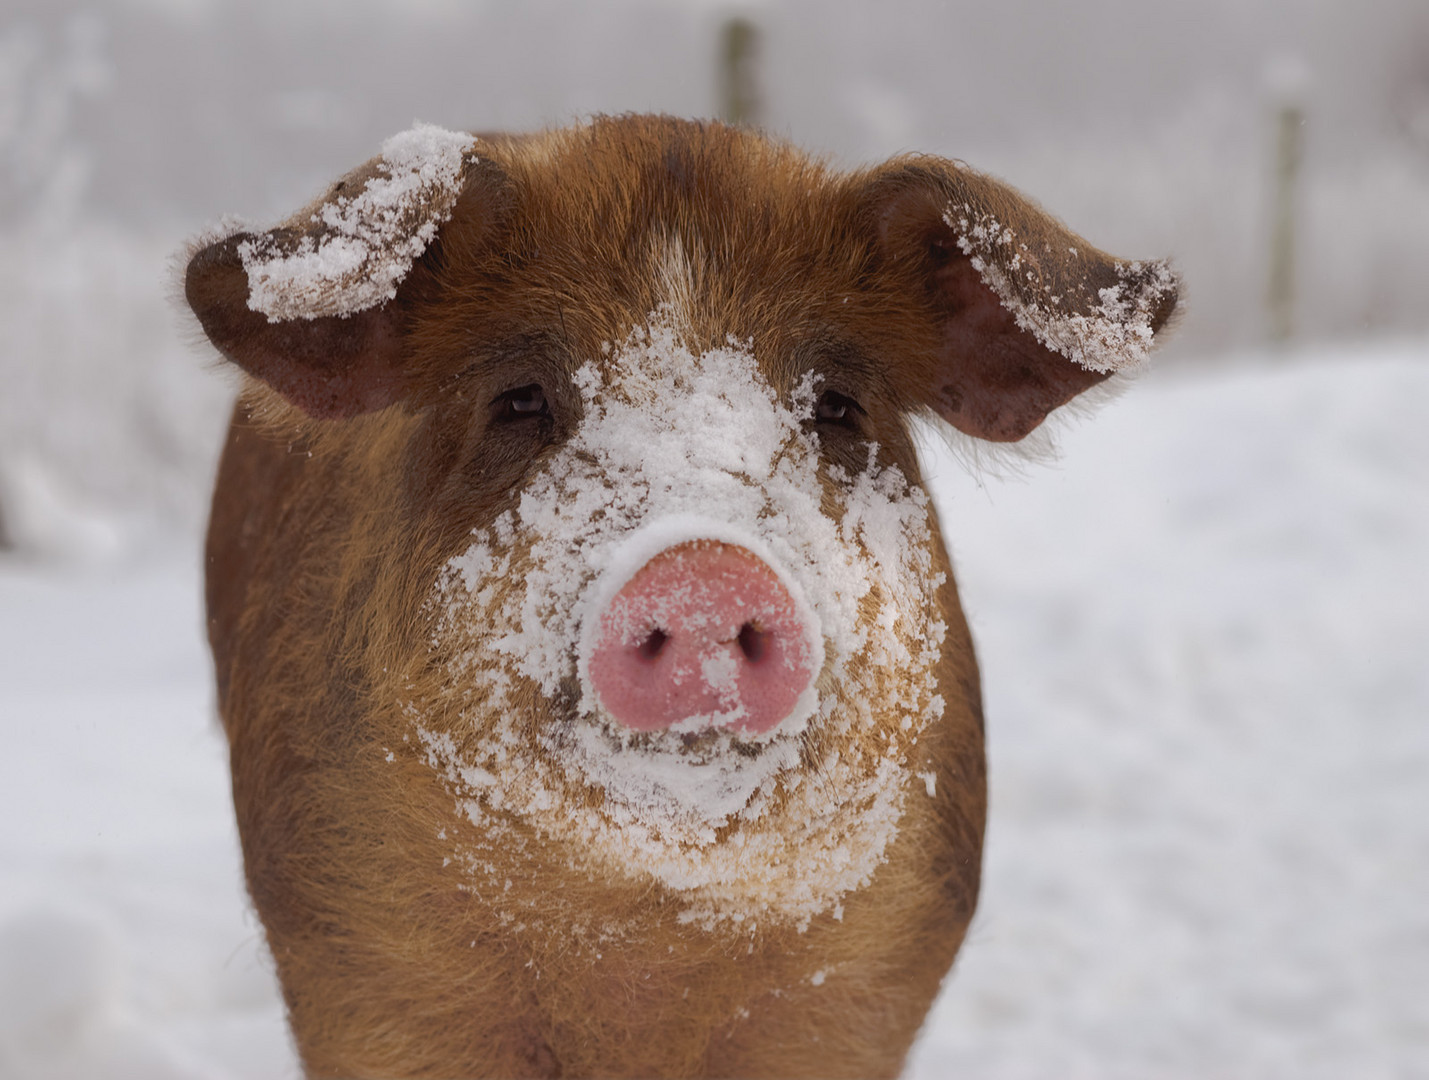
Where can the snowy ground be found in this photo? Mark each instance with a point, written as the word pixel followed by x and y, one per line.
pixel 1203 635
pixel 1205 649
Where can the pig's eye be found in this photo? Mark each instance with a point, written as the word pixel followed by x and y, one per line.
pixel 522 403
pixel 835 410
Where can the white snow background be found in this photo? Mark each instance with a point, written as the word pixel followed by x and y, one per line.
pixel 1203 630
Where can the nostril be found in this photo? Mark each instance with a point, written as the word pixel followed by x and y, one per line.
pixel 753 642
pixel 650 648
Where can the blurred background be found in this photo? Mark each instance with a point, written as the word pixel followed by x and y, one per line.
pixel 1279 149
pixel 1203 629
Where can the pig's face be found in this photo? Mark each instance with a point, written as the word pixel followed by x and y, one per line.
pixel 747 807
pixel 638 450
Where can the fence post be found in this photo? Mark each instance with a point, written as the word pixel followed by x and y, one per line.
pixel 1287 79
pixel 7 542
pixel 738 74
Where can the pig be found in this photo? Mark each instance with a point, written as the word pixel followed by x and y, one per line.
pixel 598 696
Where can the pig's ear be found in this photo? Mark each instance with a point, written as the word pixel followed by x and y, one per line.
pixel 1027 313
pixel 316 307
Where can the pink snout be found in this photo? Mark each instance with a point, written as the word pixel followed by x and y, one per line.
pixel 704 635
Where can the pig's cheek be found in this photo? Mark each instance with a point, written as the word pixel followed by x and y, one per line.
pixel 474 611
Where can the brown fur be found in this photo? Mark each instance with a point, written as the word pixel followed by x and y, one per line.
pixel 328 534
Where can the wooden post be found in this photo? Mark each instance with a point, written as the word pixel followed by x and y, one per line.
pixel 1287 81
pixel 1288 152
pixel 738 75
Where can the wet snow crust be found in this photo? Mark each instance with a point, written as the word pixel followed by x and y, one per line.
pixel 356 249
pixel 677 447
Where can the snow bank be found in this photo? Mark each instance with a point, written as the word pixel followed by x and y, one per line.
pixel 1202 640
pixel 126 946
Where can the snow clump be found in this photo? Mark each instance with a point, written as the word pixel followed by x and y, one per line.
pixel 1113 335
pixel 355 250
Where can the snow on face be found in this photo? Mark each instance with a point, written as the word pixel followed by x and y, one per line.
pixel 366 243
pixel 676 446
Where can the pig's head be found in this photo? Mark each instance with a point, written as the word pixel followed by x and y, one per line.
pixel 626 537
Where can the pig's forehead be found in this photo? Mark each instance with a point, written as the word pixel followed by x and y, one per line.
pixel 734 235
pixel 604 187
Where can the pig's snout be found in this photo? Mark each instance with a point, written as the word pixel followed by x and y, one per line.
pixel 704 635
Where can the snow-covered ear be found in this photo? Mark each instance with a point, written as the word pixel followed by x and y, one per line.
pixel 1028 313
pixel 312 306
